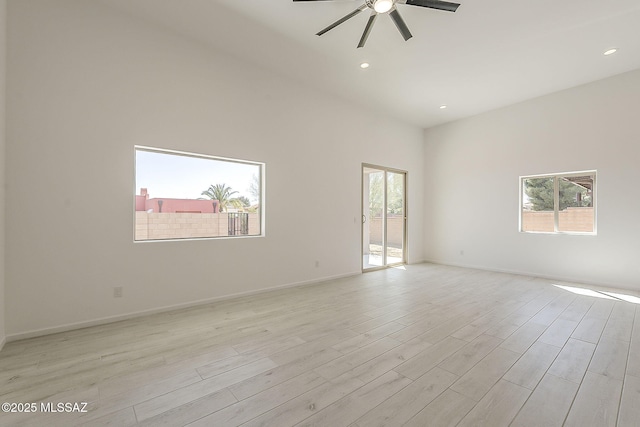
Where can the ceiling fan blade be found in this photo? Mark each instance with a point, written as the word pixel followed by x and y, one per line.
pixel 367 29
pixel 341 20
pixel 435 4
pixel 402 27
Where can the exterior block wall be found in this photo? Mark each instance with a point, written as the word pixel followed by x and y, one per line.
pixel 571 219
pixel 157 226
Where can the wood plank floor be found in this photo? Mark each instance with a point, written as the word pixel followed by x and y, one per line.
pixel 426 345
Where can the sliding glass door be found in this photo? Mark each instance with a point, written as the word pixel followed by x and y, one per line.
pixel 384 217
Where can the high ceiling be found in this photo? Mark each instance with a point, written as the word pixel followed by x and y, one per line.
pixel 488 54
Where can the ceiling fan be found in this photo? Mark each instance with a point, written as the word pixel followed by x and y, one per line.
pixel 388 6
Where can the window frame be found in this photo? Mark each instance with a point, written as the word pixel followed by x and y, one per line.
pixel 556 201
pixel 261 181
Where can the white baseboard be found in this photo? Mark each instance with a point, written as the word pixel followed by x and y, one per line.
pixel 120 317
pixel 117 318
pixel 573 280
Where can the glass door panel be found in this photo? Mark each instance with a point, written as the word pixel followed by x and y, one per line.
pixel 373 218
pixel 395 218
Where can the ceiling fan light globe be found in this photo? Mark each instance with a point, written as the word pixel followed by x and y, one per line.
pixel 383 6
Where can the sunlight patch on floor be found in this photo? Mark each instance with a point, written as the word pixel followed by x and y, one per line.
pixel 624 297
pixel 600 294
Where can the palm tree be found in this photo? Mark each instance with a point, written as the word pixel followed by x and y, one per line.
pixel 221 193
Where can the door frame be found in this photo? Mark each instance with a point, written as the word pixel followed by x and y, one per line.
pixel 365 217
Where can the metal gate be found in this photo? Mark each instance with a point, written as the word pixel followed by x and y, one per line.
pixel 238 223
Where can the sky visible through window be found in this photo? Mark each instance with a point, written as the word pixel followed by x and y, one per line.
pixel 184 177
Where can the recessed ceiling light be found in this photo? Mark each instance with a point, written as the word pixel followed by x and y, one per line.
pixel 364 65
pixel 611 51
pixel 442 107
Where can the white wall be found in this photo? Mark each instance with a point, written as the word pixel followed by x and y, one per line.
pixel 86 85
pixel 3 52
pixel 471 192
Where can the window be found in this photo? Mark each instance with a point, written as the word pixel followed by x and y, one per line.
pixel 558 203
pixel 190 196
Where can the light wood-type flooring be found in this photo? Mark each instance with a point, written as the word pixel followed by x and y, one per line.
pixel 427 345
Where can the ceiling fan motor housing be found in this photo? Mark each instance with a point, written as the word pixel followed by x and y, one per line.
pixel 380 6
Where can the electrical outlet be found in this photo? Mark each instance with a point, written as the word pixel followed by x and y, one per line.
pixel 117 292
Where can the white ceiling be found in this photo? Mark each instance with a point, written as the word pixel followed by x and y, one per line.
pixel 488 54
